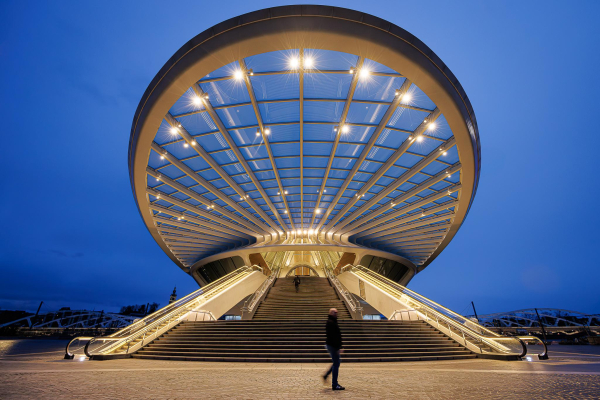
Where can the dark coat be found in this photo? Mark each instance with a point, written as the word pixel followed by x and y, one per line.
pixel 333 333
pixel 296 281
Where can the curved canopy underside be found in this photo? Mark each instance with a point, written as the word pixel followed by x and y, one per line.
pixel 304 145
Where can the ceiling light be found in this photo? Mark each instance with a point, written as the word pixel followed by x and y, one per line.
pixel 174 130
pixel 364 72
pixel 310 232
pixel 212 206
pixel 325 191
pixel 351 71
pixel 207 207
pixel 419 138
pixel 406 98
pixel 294 63
pixel 285 212
pixel 285 192
pixel 345 129
pixel 197 101
pixel 278 192
pixel 205 96
pixel 335 129
pixel 250 72
pixel 318 211
pixel 305 231
pixel 308 62
pixel 238 75
pixel 445 153
pixel 267 131
pixel 431 126
pixel 185 144
pixel 162 157
pixel 397 93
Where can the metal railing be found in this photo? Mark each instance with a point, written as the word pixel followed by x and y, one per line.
pixel 251 303
pixel 355 307
pixel 133 337
pixel 459 328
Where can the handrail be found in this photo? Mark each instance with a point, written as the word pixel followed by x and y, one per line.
pixel 252 302
pixel 438 315
pixel 165 317
pixel 210 314
pixel 355 307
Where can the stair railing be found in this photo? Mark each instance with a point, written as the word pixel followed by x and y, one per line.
pixel 459 328
pixel 251 304
pixel 133 337
pixel 350 301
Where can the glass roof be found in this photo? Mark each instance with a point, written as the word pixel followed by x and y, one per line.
pixel 303 142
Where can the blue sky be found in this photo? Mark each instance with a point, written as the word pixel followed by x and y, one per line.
pixel 72 73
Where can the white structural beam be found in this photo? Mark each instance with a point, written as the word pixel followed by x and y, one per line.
pixel 340 128
pixel 363 155
pixel 408 226
pixel 199 221
pixel 225 133
pixel 206 185
pixel 301 126
pixel 399 200
pixel 408 218
pixel 213 164
pixel 197 228
pixel 400 180
pixel 197 210
pixel 265 138
pixel 362 224
pixel 430 228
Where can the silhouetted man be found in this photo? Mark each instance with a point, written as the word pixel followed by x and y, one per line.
pixel 334 347
pixel 297 282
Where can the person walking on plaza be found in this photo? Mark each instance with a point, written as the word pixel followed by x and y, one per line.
pixel 297 282
pixel 333 344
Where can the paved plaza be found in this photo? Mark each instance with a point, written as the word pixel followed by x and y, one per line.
pixel 35 369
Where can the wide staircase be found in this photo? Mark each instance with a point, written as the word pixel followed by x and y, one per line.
pixel 290 327
pixel 313 301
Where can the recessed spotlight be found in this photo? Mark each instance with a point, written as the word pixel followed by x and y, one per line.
pixel 294 63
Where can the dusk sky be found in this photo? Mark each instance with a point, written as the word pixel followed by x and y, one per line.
pixel 72 74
